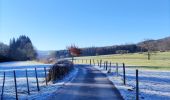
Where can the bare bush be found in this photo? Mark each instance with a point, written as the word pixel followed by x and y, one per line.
pixel 59 70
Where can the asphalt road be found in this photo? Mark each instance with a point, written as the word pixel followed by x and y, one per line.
pixel 89 84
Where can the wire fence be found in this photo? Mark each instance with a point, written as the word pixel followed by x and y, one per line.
pixel 22 81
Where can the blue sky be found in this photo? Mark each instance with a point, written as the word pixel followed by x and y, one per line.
pixel 55 24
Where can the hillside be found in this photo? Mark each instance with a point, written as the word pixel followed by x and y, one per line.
pixel 158 45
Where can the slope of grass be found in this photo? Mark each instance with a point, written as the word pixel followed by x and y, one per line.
pixel 159 60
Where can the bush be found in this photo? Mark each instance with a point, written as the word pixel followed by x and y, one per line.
pixel 59 70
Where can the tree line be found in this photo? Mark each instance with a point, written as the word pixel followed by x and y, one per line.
pixel 93 51
pixel 19 49
pixel 149 46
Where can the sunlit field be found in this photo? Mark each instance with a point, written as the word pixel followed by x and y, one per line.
pixel 159 60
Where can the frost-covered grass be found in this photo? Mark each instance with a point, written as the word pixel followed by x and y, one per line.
pixel 47 91
pixel 20 67
pixel 153 85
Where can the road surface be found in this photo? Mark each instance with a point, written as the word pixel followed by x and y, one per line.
pixel 89 84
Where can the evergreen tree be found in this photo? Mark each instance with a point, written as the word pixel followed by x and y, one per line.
pixel 22 49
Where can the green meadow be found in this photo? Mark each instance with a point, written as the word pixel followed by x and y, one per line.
pixel 159 60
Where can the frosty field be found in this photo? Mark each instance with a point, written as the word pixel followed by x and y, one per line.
pixel 153 85
pixel 20 67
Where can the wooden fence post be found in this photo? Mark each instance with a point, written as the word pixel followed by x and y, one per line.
pixel 90 62
pixel 16 93
pixel 45 76
pixel 28 90
pixel 100 63
pixel 117 69
pixel 106 64
pixel 124 74
pixel 137 85
pixel 2 92
pixel 110 66
pixel 93 62
pixel 38 88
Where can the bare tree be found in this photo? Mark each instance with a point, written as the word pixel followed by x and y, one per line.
pixel 148 45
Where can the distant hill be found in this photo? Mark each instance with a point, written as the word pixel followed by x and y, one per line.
pixel 158 45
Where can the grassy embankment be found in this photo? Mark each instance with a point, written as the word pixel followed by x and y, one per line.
pixel 159 61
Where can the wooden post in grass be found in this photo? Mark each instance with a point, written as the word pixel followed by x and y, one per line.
pixel 16 93
pixel 97 63
pixel 117 70
pixel 90 62
pixel 45 71
pixel 137 85
pixel 38 88
pixel 100 63
pixel 28 89
pixel 2 92
pixel 110 66
pixel 124 74
pixel 106 64
pixel 93 62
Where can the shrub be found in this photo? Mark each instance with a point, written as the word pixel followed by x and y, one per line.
pixel 59 70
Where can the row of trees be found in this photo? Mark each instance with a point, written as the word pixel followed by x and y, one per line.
pixel 18 49
pixel 119 49
pixel 93 51
pixel 148 46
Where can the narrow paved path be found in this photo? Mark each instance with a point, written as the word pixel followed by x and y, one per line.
pixel 89 84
